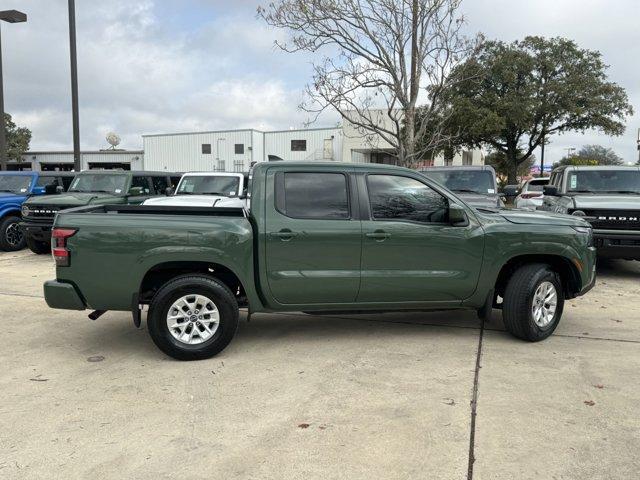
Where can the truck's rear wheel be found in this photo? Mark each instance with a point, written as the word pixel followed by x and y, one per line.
pixel 533 302
pixel 11 235
pixel 192 317
pixel 38 247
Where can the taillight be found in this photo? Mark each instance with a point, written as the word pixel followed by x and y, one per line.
pixel 531 195
pixel 59 250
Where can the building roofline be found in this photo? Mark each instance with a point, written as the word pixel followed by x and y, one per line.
pixel 82 152
pixel 209 132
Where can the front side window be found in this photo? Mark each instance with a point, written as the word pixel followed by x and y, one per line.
pixel 44 180
pixel 312 195
pixel 15 183
pixel 99 183
pixel 160 184
pixel 298 145
pixel 142 182
pixel 209 185
pixel 393 197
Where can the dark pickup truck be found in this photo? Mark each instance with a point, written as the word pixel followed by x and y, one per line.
pixel 607 197
pixel 320 237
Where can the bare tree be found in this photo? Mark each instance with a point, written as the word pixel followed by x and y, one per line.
pixel 381 58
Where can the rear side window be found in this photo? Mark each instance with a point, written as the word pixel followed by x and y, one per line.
pixel 160 184
pixel 142 182
pixel 393 197
pixel 174 182
pixel 313 195
pixel 66 182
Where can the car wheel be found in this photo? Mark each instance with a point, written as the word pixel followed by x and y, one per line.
pixel 11 235
pixel 192 317
pixel 533 302
pixel 38 247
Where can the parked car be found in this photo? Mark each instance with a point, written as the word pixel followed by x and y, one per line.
pixel 325 237
pixel 530 193
pixel 476 185
pixel 207 189
pixel 607 197
pixel 91 187
pixel 15 188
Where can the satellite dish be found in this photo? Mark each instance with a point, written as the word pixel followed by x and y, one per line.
pixel 113 139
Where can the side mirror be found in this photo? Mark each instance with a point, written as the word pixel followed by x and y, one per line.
pixel 135 191
pixel 39 190
pixel 457 216
pixel 169 191
pixel 550 190
pixel 510 191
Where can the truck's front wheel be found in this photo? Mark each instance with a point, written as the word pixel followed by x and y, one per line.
pixel 533 302
pixel 193 317
pixel 11 235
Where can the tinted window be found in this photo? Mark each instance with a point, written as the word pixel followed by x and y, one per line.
pixel 142 182
pixel 160 184
pixel 464 181
pixel 66 182
pixel 175 181
pixel 312 195
pixel 401 198
pixel 206 148
pixel 239 148
pixel 537 185
pixel 298 145
pixel 43 181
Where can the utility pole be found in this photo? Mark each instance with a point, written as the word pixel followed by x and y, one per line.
pixel 77 166
pixel 544 140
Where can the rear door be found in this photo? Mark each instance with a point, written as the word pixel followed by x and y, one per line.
pixel 313 237
pixel 410 251
pixel 144 182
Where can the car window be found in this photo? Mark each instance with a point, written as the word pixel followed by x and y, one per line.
pixel 464 181
pixel 43 181
pixel 66 182
pixel 174 182
pixel 393 197
pixel 99 183
pixel 160 184
pixel 313 195
pixel 537 185
pixel 140 181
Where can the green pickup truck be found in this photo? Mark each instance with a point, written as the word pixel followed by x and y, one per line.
pixel 320 237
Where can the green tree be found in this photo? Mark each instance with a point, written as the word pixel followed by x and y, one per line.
pixel 18 139
pixel 499 161
pixel 512 97
pixel 593 155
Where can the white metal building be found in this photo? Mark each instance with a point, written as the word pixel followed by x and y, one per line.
pixel 92 160
pixel 236 150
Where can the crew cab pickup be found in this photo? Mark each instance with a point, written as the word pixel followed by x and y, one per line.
pixel 207 189
pixel 90 187
pixel 15 188
pixel 320 237
pixel 607 197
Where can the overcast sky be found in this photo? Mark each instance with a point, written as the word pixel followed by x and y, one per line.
pixel 151 66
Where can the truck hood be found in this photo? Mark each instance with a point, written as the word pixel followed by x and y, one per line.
pixel 607 202
pixel 195 201
pixel 542 218
pixel 76 199
pixel 10 197
pixel 479 200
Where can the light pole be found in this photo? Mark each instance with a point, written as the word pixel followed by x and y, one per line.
pixel 218 154
pixel 74 86
pixel 9 16
pixel 570 150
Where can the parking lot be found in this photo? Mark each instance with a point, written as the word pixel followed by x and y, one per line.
pixel 298 396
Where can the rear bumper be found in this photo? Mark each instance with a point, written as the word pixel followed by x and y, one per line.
pixel 617 244
pixel 62 295
pixel 40 231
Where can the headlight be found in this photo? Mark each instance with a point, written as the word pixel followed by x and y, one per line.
pixel 586 231
pixel 579 213
pixel 25 211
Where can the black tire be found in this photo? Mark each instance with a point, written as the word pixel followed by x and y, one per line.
pixel 518 301
pixel 187 285
pixel 11 235
pixel 38 247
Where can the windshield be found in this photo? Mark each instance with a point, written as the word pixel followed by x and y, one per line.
pixel 604 181
pixel 99 183
pixel 15 183
pixel 464 181
pixel 209 185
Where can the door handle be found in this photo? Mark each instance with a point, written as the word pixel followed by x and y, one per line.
pixel 285 235
pixel 378 235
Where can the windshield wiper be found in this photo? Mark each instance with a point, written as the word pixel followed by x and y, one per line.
pixel 632 192
pixel 213 193
pixel 464 190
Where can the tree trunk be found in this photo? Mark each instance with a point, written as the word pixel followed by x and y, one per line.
pixel 512 158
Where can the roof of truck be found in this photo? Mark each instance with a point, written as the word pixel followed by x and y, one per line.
pixel 458 168
pixel 596 167
pixel 303 164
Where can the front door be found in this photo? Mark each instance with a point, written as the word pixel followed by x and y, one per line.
pixel 313 238
pixel 410 251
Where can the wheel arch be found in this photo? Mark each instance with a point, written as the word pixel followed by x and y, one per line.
pixel 161 273
pixel 568 271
